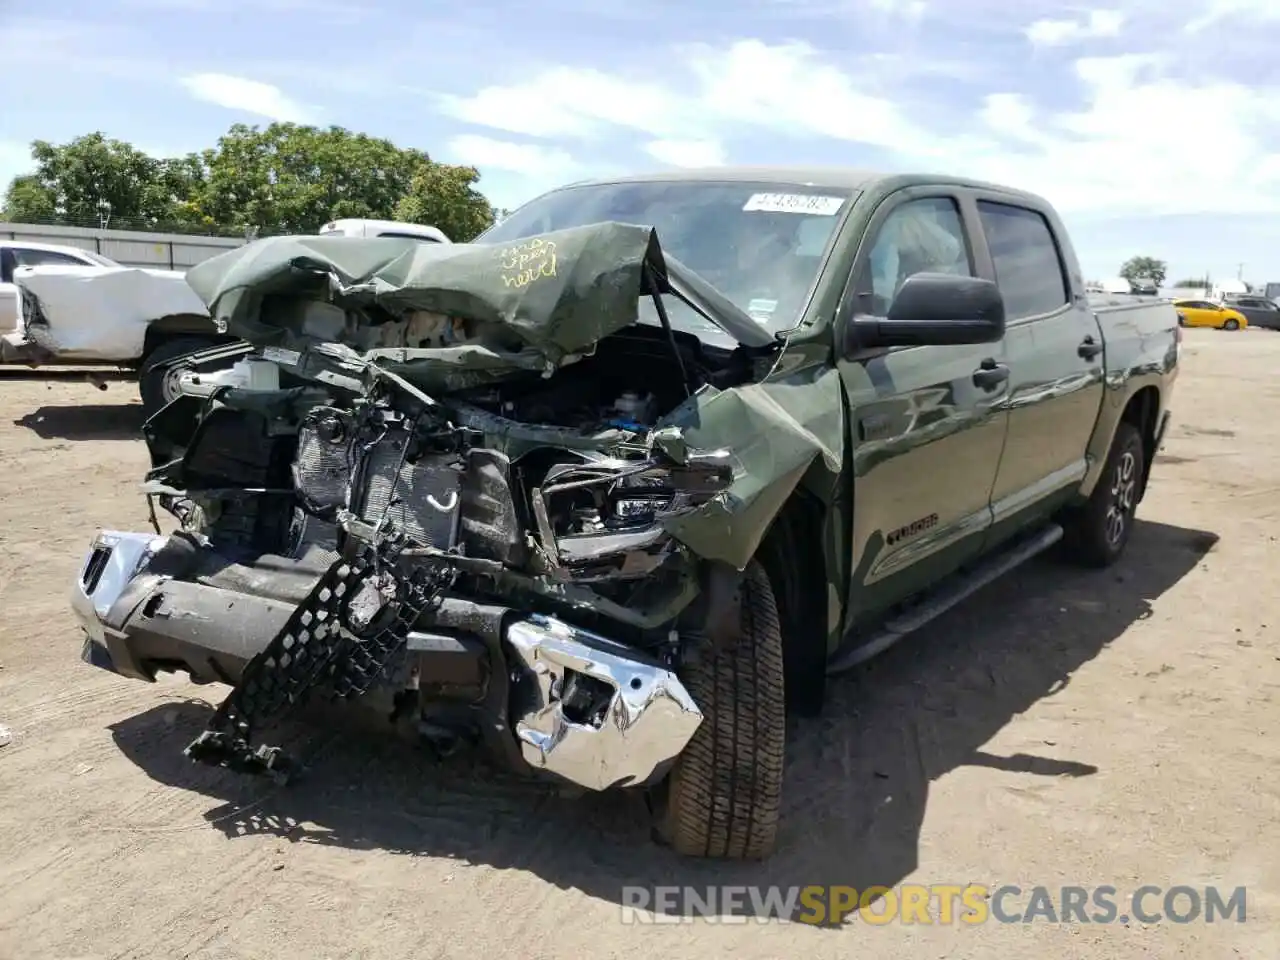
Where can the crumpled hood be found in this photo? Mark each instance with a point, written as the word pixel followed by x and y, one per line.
pixel 525 305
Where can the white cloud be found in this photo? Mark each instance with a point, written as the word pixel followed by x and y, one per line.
pixel 563 102
pixel 249 96
pixel 686 153
pixel 1124 149
pixel 1054 33
pixel 1218 10
pixel 527 159
pixel 910 9
pixel 787 88
pixel 1009 114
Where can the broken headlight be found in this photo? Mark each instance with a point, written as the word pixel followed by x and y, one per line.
pixel 601 518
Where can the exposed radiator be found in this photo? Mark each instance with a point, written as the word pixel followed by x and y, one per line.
pixel 420 497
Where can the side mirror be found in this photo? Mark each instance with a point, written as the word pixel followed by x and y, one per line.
pixel 934 309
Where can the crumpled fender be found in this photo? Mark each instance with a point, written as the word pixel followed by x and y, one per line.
pixel 102 313
pixel 777 432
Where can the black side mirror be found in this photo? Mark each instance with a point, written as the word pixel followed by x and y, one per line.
pixel 934 309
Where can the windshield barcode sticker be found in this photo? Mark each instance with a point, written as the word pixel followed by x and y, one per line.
pixel 794 203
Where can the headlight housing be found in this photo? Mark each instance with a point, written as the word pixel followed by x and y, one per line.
pixel 601 518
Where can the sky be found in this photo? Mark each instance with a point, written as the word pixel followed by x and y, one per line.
pixel 1152 125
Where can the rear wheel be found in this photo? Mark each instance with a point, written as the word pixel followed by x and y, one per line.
pixel 724 795
pixel 159 387
pixel 1097 533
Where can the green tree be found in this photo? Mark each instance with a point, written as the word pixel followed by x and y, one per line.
pixel 444 195
pixel 285 178
pixel 177 188
pixel 90 178
pixel 1193 282
pixel 27 200
pixel 1138 269
pixel 288 178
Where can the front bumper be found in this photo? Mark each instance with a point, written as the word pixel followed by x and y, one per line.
pixel 638 716
pixel 139 623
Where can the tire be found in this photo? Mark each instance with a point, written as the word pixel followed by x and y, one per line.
pixel 1231 325
pixel 724 794
pixel 1098 532
pixel 154 387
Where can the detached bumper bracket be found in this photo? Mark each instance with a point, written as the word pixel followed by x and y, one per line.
pixel 341 637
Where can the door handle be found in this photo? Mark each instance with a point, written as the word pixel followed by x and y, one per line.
pixel 1089 348
pixel 990 374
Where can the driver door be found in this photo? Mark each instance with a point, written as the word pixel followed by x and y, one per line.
pixel 927 434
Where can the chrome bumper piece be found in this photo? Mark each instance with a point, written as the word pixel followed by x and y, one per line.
pixel 114 559
pixel 645 717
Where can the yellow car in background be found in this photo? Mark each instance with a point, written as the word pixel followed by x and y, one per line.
pixel 1206 313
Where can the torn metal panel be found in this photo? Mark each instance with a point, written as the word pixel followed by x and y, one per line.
pixel 776 431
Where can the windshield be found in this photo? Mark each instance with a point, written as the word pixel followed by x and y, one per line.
pixel 760 244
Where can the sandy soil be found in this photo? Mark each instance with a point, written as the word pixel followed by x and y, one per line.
pixel 1060 728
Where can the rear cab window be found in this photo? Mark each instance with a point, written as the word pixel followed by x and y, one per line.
pixel 1028 264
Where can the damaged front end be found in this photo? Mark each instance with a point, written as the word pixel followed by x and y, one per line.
pixel 477 518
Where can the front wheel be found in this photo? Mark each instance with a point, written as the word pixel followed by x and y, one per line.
pixel 1097 533
pixel 724 795
pixel 1231 325
pixel 158 385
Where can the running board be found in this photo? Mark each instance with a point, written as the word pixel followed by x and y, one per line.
pixel 964 586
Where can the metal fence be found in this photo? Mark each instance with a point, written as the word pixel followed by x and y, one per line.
pixel 170 251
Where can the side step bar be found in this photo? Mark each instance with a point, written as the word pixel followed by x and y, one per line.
pixel 964 586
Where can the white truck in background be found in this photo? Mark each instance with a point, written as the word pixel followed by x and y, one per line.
pixel 355 227
pixel 62 305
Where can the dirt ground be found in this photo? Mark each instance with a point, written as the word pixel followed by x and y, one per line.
pixel 1062 727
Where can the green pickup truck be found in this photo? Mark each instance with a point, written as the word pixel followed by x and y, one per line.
pixel 614 488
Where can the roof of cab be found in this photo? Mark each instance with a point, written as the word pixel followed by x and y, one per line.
pixel 847 179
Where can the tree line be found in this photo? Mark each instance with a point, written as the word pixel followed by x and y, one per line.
pixel 284 178
pixel 1143 270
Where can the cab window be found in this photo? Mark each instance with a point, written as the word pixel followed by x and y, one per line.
pixel 920 236
pixel 45 258
pixel 1028 266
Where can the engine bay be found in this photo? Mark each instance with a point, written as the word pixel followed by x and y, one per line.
pixel 578 498
pixel 633 378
